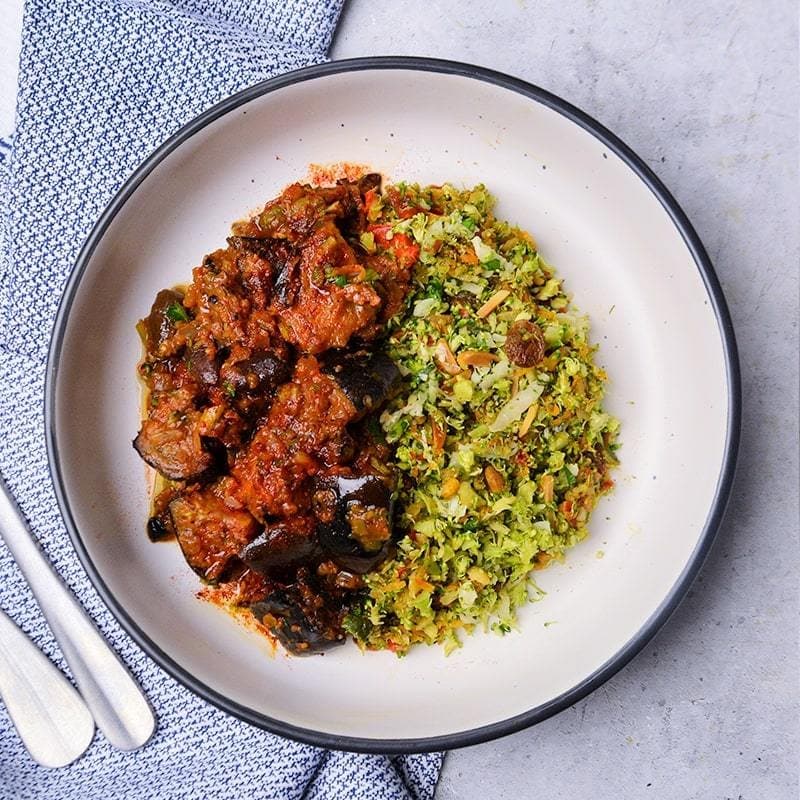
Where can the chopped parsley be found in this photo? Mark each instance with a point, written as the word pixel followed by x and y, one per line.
pixel 177 313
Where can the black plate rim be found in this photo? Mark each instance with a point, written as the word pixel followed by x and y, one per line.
pixel 724 484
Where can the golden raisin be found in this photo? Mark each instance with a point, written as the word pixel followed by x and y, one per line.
pixel 525 345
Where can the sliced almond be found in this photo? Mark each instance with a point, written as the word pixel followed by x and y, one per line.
pixel 444 358
pixel 494 480
pixel 476 358
pixel 530 416
pixel 450 488
pixel 491 304
pixel 438 436
pixel 547 485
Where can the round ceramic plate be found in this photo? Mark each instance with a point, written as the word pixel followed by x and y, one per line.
pixel 631 260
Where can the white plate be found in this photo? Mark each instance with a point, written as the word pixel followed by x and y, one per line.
pixel 627 253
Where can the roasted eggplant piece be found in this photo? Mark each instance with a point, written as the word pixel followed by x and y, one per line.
pixel 203 366
pixel 209 532
pixel 301 629
pixel 174 451
pixel 282 544
pixel 262 373
pixel 160 323
pixel 355 519
pixel 372 180
pixel 159 528
pixel 253 244
pixel 283 259
pixel 365 377
pixel 169 439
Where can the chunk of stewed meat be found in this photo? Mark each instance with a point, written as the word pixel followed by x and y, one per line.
pixel 170 439
pixel 332 300
pixel 326 290
pixel 271 275
pixel 209 531
pixel 287 448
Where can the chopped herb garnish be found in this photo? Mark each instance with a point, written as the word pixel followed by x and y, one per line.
pixel 434 289
pixel 340 280
pixel 229 389
pixel 374 429
pixel 358 624
pixel 177 313
pixel 367 240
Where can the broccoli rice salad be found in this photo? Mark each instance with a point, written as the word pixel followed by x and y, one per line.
pixel 498 432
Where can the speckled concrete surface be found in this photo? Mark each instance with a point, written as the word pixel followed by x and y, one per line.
pixel 706 93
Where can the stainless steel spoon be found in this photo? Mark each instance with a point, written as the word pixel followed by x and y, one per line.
pixel 53 722
pixel 118 705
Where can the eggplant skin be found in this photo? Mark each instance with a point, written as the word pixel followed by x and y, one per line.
pixel 287 282
pixel 262 373
pixel 262 247
pixel 281 614
pixel 283 259
pixel 158 325
pixel 370 181
pixel 179 460
pixel 159 528
pixel 282 544
pixel 204 367
pixel 355 520
pixel 367 378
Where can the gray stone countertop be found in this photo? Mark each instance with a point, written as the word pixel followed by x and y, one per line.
pixel 707 94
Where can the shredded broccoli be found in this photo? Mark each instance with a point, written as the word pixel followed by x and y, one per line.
pixel 500 464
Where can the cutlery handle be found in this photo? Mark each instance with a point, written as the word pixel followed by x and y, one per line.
pixel 49 715
pixel 118 705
